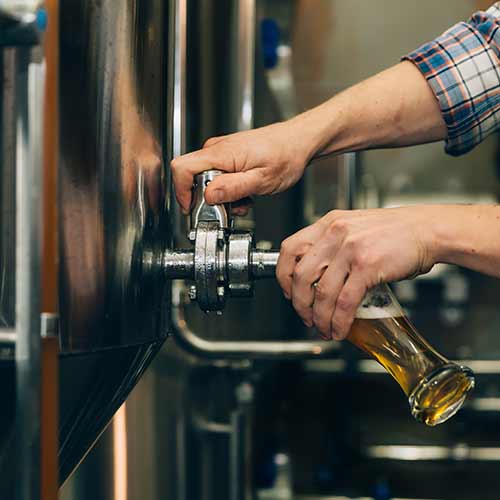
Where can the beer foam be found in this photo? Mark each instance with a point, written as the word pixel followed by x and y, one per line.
pixel 379 303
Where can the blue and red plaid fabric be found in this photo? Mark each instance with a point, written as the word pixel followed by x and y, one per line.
pixel 462 66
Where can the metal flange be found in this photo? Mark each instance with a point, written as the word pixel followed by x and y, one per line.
pixel 209 266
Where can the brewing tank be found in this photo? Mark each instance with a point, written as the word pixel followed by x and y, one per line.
pixel 114 202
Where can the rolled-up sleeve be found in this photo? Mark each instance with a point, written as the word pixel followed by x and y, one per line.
pixel 462 67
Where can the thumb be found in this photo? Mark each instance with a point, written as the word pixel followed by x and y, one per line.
pixel 233 187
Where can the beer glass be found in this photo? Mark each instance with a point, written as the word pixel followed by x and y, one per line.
pixel 436 388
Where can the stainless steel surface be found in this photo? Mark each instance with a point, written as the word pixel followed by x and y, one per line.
pixel 201 210
pixel 239 264
pixel 237 349
pixel 209 265
pixel 7 336
pixel 178 264
pixel 243 62
pixel 263 263
pixel 49 325
pixel 7 189
pixel 22 89
pixel 29 102
pixel 458 453
pixel 114 206
pixel 114 194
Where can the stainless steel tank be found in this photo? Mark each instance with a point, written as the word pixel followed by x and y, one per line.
pixel 114 202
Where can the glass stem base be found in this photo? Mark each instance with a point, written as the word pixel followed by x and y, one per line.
pixel 437 397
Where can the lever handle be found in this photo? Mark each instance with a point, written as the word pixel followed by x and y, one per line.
pixel 201 210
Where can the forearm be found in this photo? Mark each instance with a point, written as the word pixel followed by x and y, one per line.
pixel 466 235
pixel 392 109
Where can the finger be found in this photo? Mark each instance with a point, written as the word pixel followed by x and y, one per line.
pixel 326 293
pixel 307 272
pixel 212 141
pixel 233 187
pixel 348 301
pixel 185 167
pixel 292 250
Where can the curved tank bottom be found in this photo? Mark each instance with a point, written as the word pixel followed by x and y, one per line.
pixel 92 388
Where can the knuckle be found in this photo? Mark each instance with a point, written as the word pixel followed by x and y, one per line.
pixel 209 141
pixel 286 246
pixel 175 164
pixel 337 227
pixel 320 293
pixel 351 244
pixel 361 260
pixel 299 274
pixel 344 302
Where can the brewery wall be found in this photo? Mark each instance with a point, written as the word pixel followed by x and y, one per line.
pixel 337 428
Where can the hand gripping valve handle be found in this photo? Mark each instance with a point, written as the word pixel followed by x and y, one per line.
pixel 224 262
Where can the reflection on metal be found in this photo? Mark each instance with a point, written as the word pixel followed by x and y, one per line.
pixel 195 344
pixel 243 59
pixel 120 462
pixel 484 404
pixel 114 206
pixel 179 104
pixel 50 325
pixel 7 336
pixel 28 99
pixel 348 181
pixel 201 210
pixel 460 452
pixel 368 366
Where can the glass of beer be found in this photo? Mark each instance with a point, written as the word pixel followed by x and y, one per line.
pixel 436 388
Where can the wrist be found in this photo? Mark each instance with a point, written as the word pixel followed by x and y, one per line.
pixel 317 130
pixel 449 239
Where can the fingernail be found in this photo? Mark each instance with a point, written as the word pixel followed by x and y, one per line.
pixel 308 324
pixel 217 196
pixel 287 297
pixel 336 336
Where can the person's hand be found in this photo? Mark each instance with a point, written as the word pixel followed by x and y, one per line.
pixel 326 268
pixel 266 160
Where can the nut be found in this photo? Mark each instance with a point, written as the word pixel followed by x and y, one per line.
pixel 192 292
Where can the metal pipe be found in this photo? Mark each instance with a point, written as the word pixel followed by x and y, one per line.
pixel 178 264
pixel 263 263
pixel 29 88
pixel 243 59
pixel 7 336
pixel 203 348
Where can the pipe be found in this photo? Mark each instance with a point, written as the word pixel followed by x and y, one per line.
pixel 263 263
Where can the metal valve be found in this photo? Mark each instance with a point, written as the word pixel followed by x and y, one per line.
pixel 224 262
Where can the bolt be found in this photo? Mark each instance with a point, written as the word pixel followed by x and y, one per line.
pixel 220 292
pixel 192 292
pixel 192 235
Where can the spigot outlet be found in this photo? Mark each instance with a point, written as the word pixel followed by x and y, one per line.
pixel 224 262
pixel 220 270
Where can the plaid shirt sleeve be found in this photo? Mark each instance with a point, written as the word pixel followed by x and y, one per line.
pixel 462 67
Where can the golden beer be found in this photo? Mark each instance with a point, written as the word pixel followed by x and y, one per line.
pixel 436 388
